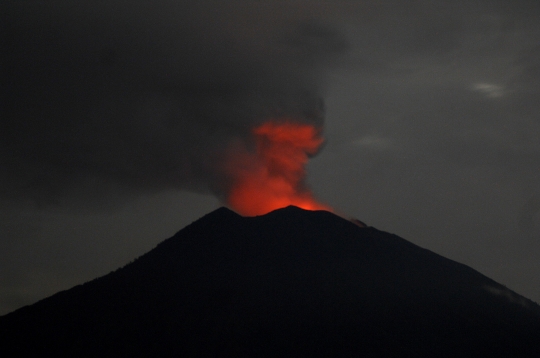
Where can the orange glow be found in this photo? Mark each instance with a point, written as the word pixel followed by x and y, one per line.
pixel 273 176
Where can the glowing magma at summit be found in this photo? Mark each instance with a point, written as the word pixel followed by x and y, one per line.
pixel 274 175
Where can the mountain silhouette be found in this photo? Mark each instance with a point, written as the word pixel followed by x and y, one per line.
pixel 289 283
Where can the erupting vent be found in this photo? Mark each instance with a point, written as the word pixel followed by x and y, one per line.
pixel 273 176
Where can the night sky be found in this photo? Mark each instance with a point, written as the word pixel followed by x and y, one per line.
pixel 116 118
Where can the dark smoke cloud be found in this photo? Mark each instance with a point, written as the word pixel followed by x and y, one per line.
pixel 125 97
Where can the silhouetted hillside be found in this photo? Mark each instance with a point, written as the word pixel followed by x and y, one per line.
pixel 289 283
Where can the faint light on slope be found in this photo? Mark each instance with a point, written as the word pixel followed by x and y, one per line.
pixel 507 294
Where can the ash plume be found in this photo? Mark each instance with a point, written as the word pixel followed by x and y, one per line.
pixel 124 98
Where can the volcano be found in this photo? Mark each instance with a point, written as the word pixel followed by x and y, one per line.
pixel 289 283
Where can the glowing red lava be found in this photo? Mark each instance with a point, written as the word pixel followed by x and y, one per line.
pixel 274 176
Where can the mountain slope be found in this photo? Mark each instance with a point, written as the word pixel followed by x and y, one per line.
pixel 289 283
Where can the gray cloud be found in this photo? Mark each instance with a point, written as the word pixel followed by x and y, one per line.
pixel 102 98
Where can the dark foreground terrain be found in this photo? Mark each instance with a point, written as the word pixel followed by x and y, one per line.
pixel 289 283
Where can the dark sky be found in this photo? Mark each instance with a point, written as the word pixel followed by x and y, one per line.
pixel 115 117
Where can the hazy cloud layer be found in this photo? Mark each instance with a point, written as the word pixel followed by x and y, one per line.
pixel 434 127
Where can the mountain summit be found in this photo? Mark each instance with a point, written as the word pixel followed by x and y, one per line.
pixel 289 283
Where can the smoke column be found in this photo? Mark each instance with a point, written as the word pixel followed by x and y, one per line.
pixel 273 176
pixel 110 100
